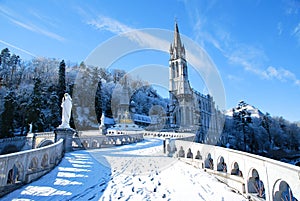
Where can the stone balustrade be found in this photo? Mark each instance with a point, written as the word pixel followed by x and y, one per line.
pixel 23 167
pixel 235 168
pixel 10 145
pixel 173 135
pixel 90 141
pixel 239 169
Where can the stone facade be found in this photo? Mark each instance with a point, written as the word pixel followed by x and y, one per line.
pixel 189 110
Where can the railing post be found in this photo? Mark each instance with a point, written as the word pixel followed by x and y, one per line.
pixel 67 135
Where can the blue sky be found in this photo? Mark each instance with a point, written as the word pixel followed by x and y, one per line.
pixel 255 45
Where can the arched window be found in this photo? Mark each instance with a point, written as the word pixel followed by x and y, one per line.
pixel 256 185
pixel 209 162
pixel 198 156
pixel 236 170
pixel 44 162
pixel 222 166
pixel 283 191
pixel 189 153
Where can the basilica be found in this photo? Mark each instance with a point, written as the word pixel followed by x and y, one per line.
pixel 189 110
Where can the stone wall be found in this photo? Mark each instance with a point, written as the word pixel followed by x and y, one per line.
pixel 9 145
pixel 241 169
pixel 23 167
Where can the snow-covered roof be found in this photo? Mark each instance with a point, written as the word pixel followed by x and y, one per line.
pixel 125 127
pixel 142 118
pixel 108 120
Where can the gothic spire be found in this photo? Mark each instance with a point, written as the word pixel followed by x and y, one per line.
pixel 177 40
pixel 177 49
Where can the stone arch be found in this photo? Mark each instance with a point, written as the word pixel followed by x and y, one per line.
pixel 11 148
pixel 222 166
pixel 33 164
pixel 255 185
pixel 45 161
pixel 15 174
pixel 236 170
pixel 10 176
pixel 118 141
pixel 95 144
pixel 20 167
pixel 282 191
pixel 112 141
pixel 209 162
pixel 85 143
pixel 52 159
pixel 44 143
pixel 189 154
pixel 181 153
pixel 198 156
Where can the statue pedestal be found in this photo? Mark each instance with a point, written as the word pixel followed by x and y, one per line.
pixel 67 135
pixel 102 130
pixel 30 140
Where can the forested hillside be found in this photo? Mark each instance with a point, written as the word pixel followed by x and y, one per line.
pixel 248 129
pixel 31 92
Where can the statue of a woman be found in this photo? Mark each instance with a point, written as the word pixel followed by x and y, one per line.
pixel 66 111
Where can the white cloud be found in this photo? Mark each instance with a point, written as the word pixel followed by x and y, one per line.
pixel 17 48
pixel 141 37
pixel 292 7
pixel 234 78
pixel 109 24
pixel 296 32
pixel 27 25
pixel 250 58
pixel 281 74
pixel 279 28
pixel 252 61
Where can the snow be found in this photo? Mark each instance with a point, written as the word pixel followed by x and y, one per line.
pixel 131 172
pixel 255 113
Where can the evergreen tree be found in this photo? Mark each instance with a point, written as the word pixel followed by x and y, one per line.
pixel 8 68
pixel 35 115
pixel 4 65
pixel 98 102
pixel 266 124
pixel 7 117
pixel 61 79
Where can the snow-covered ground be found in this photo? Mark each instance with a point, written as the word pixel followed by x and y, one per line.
pixel 130 172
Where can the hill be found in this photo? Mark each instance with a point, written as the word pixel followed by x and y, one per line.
pixel 254 112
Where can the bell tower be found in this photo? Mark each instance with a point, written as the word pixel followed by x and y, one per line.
pixel 179 86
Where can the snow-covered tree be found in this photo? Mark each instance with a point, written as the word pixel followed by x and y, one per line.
pixel 7 117
pixel 61 79
pixel 35 115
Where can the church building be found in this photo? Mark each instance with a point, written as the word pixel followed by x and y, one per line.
pixel 190 111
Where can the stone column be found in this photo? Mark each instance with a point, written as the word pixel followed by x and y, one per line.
pixel 67 135
pixel 30 141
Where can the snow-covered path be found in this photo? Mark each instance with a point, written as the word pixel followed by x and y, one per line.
pixel 130 172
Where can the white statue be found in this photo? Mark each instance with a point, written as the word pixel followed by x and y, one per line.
pixel 30 128
pixel 66 111
pixel 102 127
pixel 102 119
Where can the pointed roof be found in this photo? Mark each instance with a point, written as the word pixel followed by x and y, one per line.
pixel 177 40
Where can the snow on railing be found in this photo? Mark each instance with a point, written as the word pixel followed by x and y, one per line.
pixel 23 167
pixel 242 171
